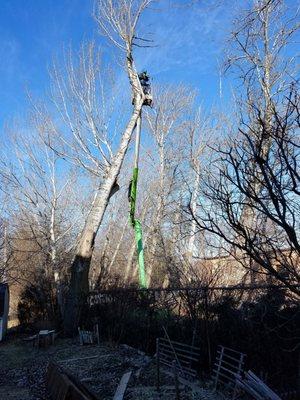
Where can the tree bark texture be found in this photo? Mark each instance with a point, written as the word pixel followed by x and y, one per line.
pixel 79 284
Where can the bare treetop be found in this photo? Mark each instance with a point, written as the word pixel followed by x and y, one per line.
pixel 260 38
pixel 118 20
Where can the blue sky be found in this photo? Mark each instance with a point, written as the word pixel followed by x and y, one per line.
pixel 190 41
pixel 190 45
pixel 31 33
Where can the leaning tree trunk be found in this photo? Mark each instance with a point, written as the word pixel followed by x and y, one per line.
pixel 79 284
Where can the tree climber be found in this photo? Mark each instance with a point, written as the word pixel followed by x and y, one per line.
pixel 144 79
pixel 145 83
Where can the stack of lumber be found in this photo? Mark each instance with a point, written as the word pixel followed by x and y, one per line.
pixel 254 386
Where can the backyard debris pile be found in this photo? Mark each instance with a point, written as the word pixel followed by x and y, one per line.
pixel 99 368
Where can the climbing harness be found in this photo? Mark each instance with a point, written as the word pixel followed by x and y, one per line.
pixel 132 191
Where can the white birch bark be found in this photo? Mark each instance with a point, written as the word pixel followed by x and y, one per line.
pixel 194 202
pixel 121 19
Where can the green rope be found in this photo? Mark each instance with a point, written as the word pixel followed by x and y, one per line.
pixel 133 194
pixel 136 224
pixel 139 245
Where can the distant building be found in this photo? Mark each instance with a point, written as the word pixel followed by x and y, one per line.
pixel 4 307
pixel 227 270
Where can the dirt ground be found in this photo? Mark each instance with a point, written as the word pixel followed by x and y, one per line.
pixel 100 368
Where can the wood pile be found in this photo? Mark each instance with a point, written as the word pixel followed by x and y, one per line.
pixel 254 386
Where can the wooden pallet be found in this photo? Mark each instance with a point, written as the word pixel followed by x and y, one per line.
pixel 89 337
pixel 229 364
pixel 178 358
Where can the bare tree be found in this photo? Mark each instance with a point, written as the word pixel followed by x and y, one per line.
pixel 259 44
pixel 201 135
pixel 240 197
pixel 5 251
pixel 40 207
pixel 118 21
pixel 167 125
pixel 84 93
pixel 271 245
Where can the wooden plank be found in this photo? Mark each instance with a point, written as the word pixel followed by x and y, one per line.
pixel 248 389
pixel 167 353
pixel 119 394
pixel 179 351
pixel 230 373
pixel 188 347
pixel 249 386
pixel 164 388
pixel 250 376
pixel 185 382
pixel 228 370
pixel 231 379
pixel 62 386
pixel 256 387
pixel 75 393
pixel 223 378
pixel 167 350
pixel 171 345
pixel 226 382
pixel 184 370
pixel 168 357
pixel 238 374
pixel 188 371
pixel 234 367
pixel 182 352
pixel 182 344
pixel 169 364
pixel 83 358
pixel 233 351
pixel 218 369
pixel 237 360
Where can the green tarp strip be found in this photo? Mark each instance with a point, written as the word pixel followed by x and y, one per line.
pixel 139 244
pixel 133 193
pixel 136 224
